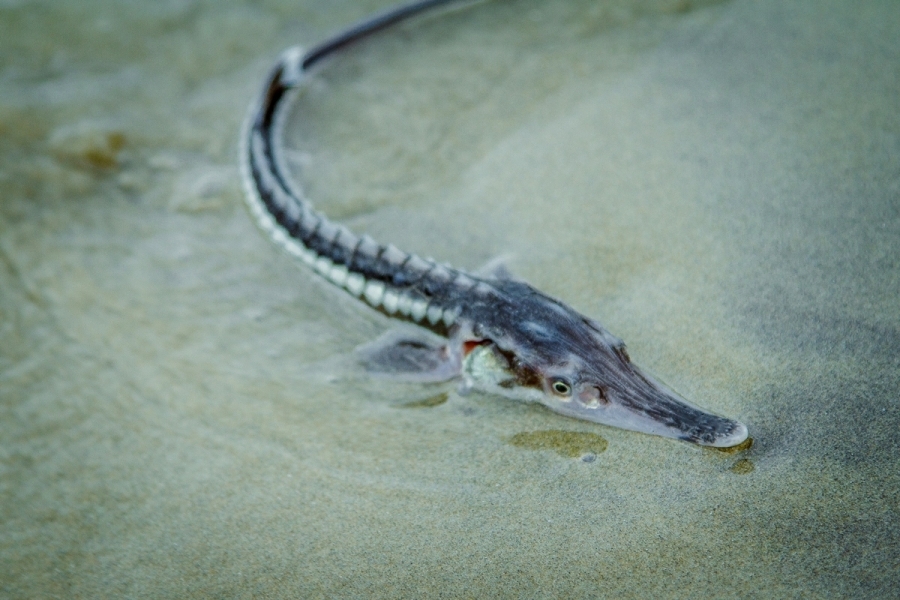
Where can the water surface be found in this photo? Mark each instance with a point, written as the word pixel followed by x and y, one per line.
pixel 716 182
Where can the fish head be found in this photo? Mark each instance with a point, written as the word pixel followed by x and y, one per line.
pixel 540 350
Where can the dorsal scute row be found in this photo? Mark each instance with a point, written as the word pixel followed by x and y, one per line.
pixel 384 276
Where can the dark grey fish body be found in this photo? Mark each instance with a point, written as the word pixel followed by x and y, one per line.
pixel 498 334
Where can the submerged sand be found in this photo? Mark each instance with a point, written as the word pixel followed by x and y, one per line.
pixel 717 183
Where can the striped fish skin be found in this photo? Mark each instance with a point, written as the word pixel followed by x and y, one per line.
pixel 497 334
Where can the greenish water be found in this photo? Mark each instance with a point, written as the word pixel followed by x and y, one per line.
pixel 718 183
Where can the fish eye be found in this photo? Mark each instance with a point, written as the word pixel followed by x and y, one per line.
pixel 561 387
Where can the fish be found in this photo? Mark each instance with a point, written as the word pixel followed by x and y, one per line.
pixel 488 330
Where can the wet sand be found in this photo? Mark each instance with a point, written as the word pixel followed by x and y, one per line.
pixel 717 183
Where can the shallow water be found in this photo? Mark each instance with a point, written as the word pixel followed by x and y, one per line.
pixel 717 183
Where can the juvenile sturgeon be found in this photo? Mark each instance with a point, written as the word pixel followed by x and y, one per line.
pixel 495 333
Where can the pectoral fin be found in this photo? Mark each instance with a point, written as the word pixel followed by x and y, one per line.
pixel 410 355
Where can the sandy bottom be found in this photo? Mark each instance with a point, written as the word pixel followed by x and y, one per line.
pixel 717 183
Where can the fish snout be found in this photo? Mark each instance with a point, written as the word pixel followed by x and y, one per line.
pixel 650 407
